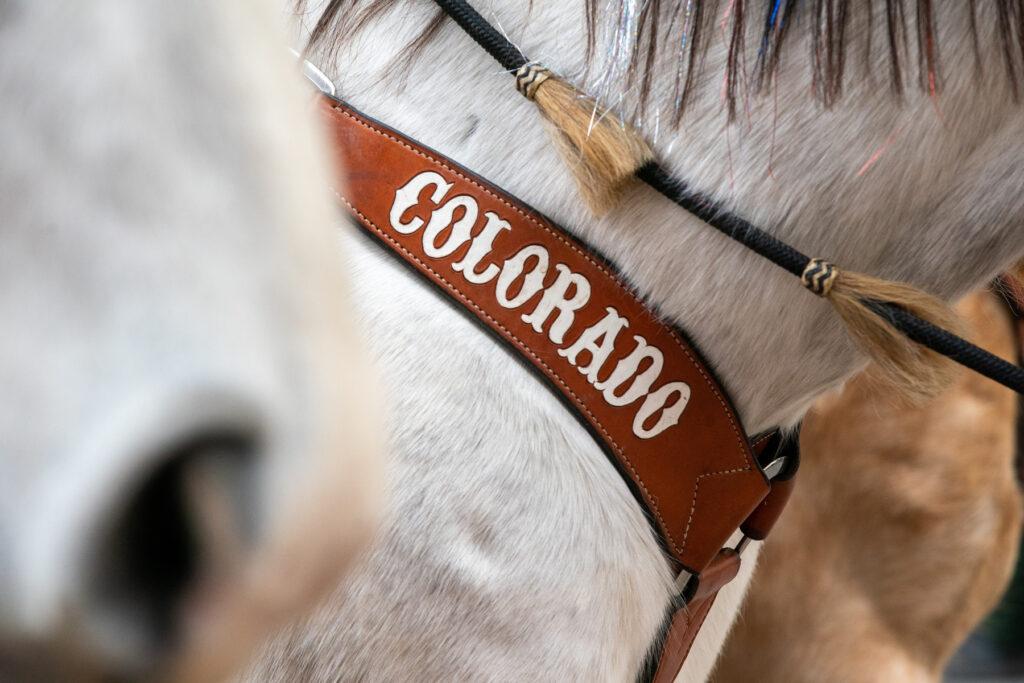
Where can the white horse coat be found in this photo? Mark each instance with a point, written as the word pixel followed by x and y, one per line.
pixel 173 303
pixel 513 550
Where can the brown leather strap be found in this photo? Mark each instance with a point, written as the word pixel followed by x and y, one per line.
pixel 688 619
pixel 760 522
pixel 639 385
pixel 763 518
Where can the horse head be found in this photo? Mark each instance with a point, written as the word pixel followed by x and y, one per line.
pixel 188 434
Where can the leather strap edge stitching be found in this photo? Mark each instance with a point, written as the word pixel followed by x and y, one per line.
pixel 746 456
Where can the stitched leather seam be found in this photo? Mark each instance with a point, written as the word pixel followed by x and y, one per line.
pixel 696 486
pixel 745 455
pixel 682 631
pixel 707 610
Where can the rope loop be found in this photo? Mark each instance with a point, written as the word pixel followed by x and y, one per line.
pixel 819 275
pixel 529 77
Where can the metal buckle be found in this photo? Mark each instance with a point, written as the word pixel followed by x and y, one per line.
pixel 686 583
pixel 742 544
pixel 317 77
pixel 771 470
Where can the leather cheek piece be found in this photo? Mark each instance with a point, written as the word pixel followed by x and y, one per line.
pixel 760 522
pixel 695 476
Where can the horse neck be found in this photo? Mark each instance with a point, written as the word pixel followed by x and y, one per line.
pixel 919 189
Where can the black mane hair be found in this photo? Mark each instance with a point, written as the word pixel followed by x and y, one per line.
pixel 684 24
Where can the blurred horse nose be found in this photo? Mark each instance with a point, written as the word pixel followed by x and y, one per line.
pixel 180 526
pixel 174 537
pixel 144 530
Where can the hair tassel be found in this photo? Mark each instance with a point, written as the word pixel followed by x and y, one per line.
pixel 914 371
pixel 601 150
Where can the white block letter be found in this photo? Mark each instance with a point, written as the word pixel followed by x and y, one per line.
pixel 533 281
pixel 555 297
pixel 657 401
pixel 480 247
pixel 408 196
pixel 599 341
pixel 442 218
pixel 626 368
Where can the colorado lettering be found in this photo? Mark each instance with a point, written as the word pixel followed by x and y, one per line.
pixel 521 277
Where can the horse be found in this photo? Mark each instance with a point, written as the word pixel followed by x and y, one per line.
pixel 184 460
pixel 916 527
pixel 513 550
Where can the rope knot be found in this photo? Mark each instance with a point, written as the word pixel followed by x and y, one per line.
pixel 529 77
pixel 819 275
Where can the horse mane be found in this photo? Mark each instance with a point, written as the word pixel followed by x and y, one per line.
pixel 640 31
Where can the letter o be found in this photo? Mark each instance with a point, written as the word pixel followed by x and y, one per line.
pixel 657 401
pixel 442 218
pixel 533 282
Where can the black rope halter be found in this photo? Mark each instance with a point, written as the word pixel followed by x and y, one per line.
pixel 815 274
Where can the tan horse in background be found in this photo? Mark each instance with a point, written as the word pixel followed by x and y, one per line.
pixel 900 537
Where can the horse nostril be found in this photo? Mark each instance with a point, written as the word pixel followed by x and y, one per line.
pixel 189 522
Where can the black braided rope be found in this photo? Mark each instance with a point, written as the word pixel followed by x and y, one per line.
pixel 749 235
pixel 744 232
pixel 950 345
pixel 480 30
pixel 781 254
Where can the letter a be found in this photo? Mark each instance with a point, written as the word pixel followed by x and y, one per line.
pixel 626 368
pixel 555 297
pixel 599 341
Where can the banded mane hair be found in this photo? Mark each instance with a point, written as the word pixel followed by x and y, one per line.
pixel 642 28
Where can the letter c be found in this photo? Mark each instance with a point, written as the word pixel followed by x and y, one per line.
pixel 408 196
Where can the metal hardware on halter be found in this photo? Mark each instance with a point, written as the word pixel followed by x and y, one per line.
pixel 775 467
pixel 686 583
pixel 317 77
pixel 771 471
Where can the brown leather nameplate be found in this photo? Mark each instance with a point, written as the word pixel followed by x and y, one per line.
pixel 639 385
